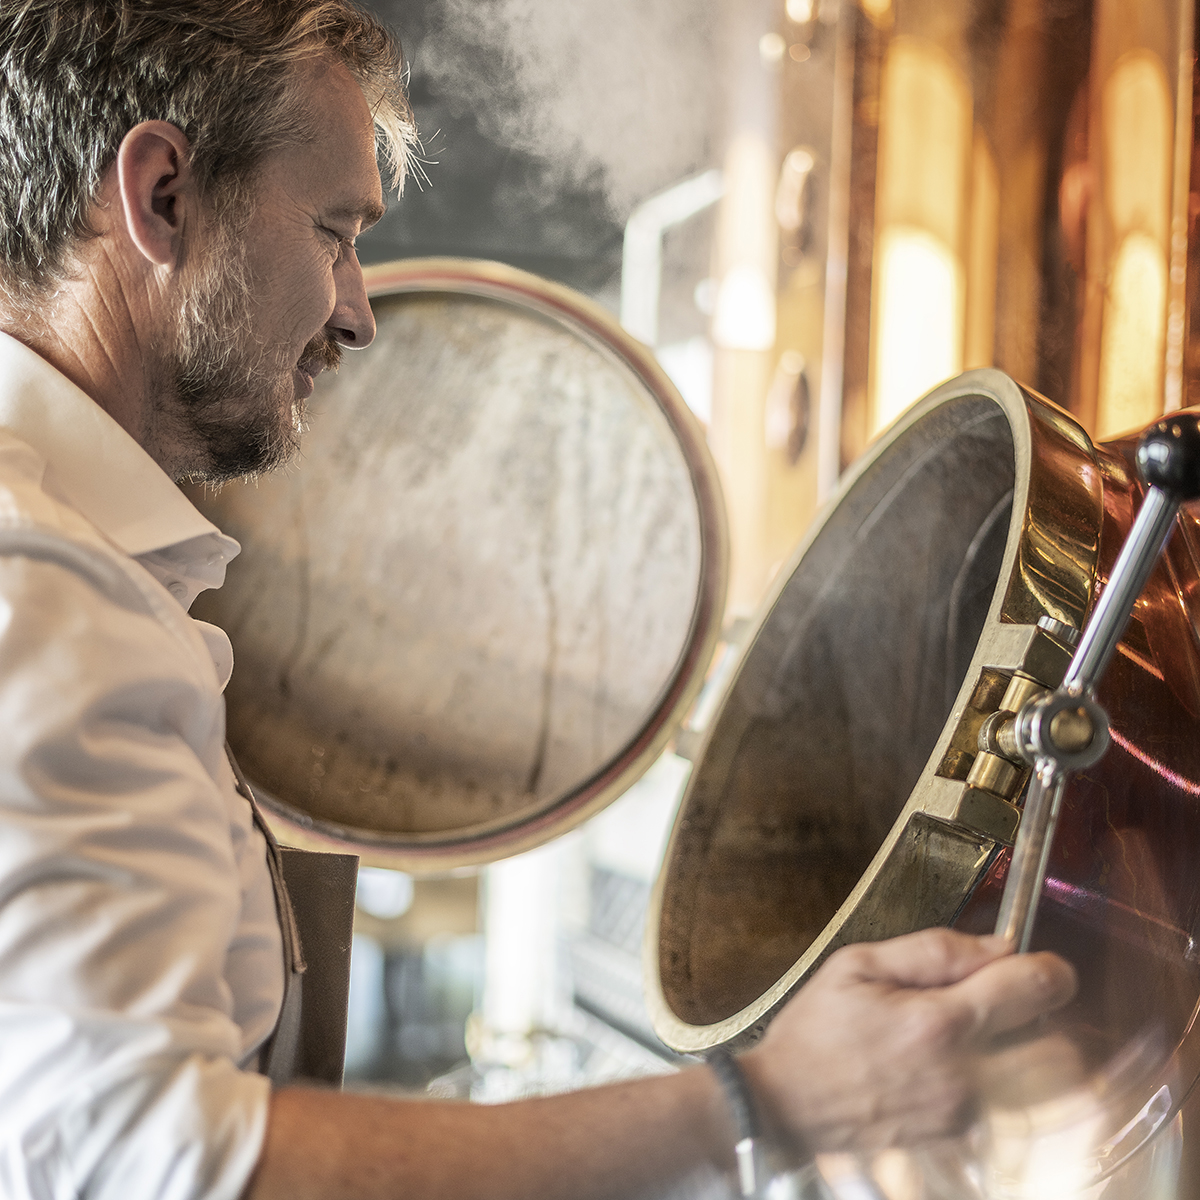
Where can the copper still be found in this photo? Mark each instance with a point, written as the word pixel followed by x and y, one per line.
pixel 1007 183
pixel 840 794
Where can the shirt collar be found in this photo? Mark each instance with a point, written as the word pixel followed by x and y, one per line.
pixel 91 462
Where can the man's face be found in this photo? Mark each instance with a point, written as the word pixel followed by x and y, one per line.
pixel 269 297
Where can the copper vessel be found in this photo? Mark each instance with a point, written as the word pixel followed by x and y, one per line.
pixel 839 793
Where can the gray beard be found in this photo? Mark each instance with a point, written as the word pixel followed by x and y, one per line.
pixel 224 403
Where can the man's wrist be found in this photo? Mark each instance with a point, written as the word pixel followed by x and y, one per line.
pixel 757 1154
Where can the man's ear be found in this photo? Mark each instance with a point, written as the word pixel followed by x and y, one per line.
pixel 156 189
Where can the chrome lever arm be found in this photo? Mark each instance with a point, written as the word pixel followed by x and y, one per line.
pixel 1067 730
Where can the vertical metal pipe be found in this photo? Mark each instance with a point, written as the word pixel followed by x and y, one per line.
pixel 833 347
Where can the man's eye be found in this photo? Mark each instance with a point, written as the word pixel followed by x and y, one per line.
pixel 335 238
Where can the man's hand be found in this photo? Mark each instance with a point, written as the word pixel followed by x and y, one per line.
pixel 879 1049
pixel 876 1050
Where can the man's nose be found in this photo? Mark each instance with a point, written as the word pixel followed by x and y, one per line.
pixel 352 323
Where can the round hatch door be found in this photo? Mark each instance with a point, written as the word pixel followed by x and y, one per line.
pixel 471 612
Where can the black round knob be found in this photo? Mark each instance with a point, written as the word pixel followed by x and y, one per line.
pixel 1168 455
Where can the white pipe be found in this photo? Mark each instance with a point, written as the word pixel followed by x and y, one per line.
pixel 521 923
pixel 641 258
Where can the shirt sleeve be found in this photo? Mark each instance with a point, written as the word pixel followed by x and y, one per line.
pixel 119 896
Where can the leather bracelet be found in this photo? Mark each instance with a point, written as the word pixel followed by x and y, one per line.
pixel 749 1150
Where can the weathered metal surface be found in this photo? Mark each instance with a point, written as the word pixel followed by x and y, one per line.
pixel 469 610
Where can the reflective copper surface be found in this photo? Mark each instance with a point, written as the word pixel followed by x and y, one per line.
pixel 830 800
pixel 1122 895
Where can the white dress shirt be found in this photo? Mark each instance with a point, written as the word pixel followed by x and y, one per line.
pixel 140 956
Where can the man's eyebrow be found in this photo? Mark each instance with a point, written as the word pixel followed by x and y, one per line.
pixel 366 214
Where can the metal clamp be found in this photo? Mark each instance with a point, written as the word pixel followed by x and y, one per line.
pixel 1069 730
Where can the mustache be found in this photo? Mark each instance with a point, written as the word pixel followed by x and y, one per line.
pixel 323 353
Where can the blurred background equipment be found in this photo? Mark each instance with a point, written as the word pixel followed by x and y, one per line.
pixel 909 188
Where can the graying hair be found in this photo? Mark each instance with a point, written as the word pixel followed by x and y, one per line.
pixel 77 75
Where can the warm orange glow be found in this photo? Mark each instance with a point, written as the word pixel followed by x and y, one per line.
pixel 1133 342
pixel 744 318
pixel 982 254
pixel 917 343
pixel 922 184
pixel 743 333
pixel 1137 121
pixel 1136 128
pixel 745 312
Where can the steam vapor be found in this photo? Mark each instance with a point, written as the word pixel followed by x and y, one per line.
pixel 618 92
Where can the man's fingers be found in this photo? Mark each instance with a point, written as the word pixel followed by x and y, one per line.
pixel 931 958
pixel 1012 991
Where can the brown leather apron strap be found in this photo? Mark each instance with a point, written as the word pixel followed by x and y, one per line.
pixel 314 897
pixel 278 1053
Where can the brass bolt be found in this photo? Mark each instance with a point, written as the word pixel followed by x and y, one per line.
pixel 998 735
pixel 1071 730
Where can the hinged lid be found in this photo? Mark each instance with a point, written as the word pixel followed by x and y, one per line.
pixel 473 611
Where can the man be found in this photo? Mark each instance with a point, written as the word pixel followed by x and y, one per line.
pixel 181 185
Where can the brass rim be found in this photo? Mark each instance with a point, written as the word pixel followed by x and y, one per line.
pixel 1004 637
